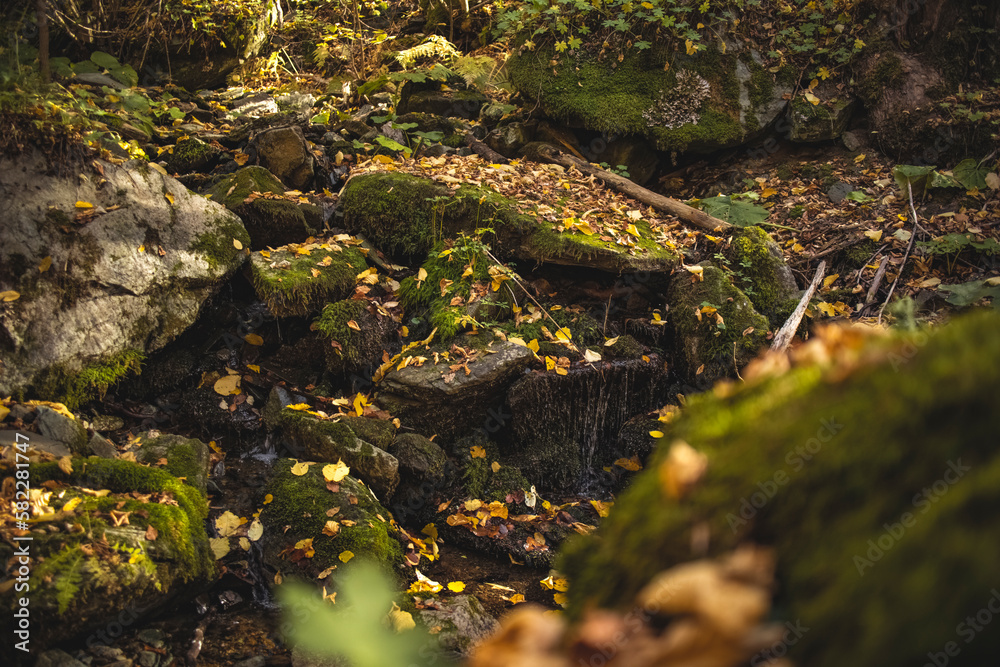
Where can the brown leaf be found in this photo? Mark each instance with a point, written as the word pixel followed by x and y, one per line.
pixel 151 533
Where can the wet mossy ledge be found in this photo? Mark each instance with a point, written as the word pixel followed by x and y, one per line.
pixel 302 506
pixel 136 547
pixel 415 214
pixel 300 279
pixel 684 103
pixel 74 388
pixel 871 467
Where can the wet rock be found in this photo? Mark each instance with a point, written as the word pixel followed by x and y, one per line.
pixel 133 551
pixel 712 345
pixel 328 441
pixel 462 623
pixel 295 101
pixel 423 470
pixel 350 350
pixel 564 428
pixel 283 151
pixel 451 104
pixel 338 517
pixel 432 399
pixel 490 114
pixel 270 222
pixel 101 446
pixel 62 429
pixel 510 139
pixel 120 287
pixel 57 658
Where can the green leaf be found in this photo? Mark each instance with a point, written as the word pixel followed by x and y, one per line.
pixel 966 294
pixel 858 196
pixel 917 177
pixel 389 143
pixel 970 174
pixel 942 180
pixel 105 60
pixel 430 136
pixel 404 126
pixel 735 212
pixel 126 75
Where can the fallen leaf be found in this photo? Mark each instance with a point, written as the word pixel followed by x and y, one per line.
pixel 170 197
pixel 227 385
pixel 253 339
pixel 227 523
pixel 237 244
pixel 9 295
pixel 300 468
pixel 345 556
pixel 256 530
pixel 84 204
pixel 353 325
pixel 456 586
pixel 331 528
pixel 334 472
pixel 682 469
pixel 220 546
pixel 477 452
pixel 45 264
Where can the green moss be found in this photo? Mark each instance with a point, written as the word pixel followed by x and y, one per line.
pixel 886 74
pixel 626 347
pixel 712 128
pixel 290 288
pixel 233 190
pixel 755 268
pixel 216 245
pixel 302 501
pixel 455 140
pixel 332 324
pixel 847 471
pixel 76 388
pixel 481 482
pixel 761 86
pixel 705 341
pixel 854 256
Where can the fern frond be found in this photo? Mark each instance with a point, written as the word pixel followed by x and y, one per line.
pixel 434 46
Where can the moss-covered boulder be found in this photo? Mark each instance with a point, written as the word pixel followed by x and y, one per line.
pixel 410 215
pixel 424 472
pixel 824 121
pixel 716 329
pixel 300 279
pixel 284 152
pixel 446 103
pixel 355 334
pixel 109 539
pixel 871 467
pixel 760 271
pixel 699 103
pixel 313 526
pixel 110 262
pixel 271 220
pixel 184 458
pixel 328 440
pixel 190 155
pixel 434 399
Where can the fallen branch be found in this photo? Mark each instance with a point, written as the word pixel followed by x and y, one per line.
pixel 913 237
pixel 482 150
pixel 686 213
pixel 791 325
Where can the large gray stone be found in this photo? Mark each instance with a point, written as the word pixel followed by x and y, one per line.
pixel 284 152
pixel 124 282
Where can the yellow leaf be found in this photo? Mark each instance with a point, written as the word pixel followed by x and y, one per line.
pixel 561 371
pixel 256 530
pixel 142 248
pixel 858 159
pixel 84 204
pixel 360 401
pixel 45 264
pixel 586 228
pixel 468 272
pixel 334 472
pixel 517 598
pixel 384 159
pixel 691 47
pixel 331 528
pixel 611 341
pixel 456 586
pixel 268 498
pixel 682 469
pixel 550 363
pixel 170 197
pixel 254 367
pixel 300 468
pixel 237 244
pixel 533 345
pixel 477 452
pixel 697 271
pixel 824 73
pixel 345 556
pixel 253 339
pixel 826 309
pixel 564 334
pixel 353 325
pixel 631 229
pixel 603 508
pixel 631 464
pixel 590 356
pixel 227 523
pixel 421 276
pixel 9 295
pixel 811 98
pixel 495 467
pixel 401 620
pixel 656 434
pixel 874 235
pixel 227 385
pixel 768 192
pixel 220 546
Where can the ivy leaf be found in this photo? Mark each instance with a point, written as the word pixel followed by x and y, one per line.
pixel 970 174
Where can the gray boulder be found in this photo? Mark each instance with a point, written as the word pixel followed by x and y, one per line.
pixel 109 263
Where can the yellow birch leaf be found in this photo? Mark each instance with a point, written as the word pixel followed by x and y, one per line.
pixel 345 556
pixel 477 452
pixel 237 244
pixel 227 386
pixel 256 530
pixel 456 586
pixel 9 295
pixel 253 339
pixel 84 204
pixel 334 472
pixel 300 468
pixel 45 264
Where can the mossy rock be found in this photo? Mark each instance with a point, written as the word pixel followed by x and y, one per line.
pixel 191 155
pixel 760 272
pixel 425 473
pixel 270 222
pixel 184 458
pixel 700 103
pixel 326 440
pixel 819 122
pixel 295 284
pixel 355 350
pixel 86 568
pixel 707 349
pixel 76 388
pixel 300 508
pixel 411 215
pixel 882 520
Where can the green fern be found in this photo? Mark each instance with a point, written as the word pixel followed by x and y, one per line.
pixel 67 575
pixel 434 46
pixel 477 71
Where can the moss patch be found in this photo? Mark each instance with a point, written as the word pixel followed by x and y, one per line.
pixel 217 247
pixel 286 282
pixel 840 473
pixel 77 387
pixel 756 268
